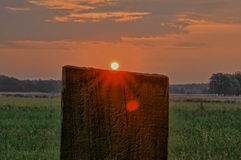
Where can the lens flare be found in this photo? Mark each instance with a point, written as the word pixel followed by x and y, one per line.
pixel 132 105
pixel 114 65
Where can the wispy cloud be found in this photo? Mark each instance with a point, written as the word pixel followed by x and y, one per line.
pixel 94 1
pixel 109 2
pixel 192 18
pixel 128 18
pixel 61 4
pixel 151 38
pixel 60 19
pixel 191 44
pixel 76 8
pixel 17 9
pixel 149 22
pixel 96 16
pixel 65 44
pixel 29 44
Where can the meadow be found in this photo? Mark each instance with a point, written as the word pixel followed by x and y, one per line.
pixel 202 132
pixel 30 129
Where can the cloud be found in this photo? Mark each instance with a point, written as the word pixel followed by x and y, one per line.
pixel 64 45
pixel 29 44
pixel 94 1
pixel 151 38
pixel 96 16
pixel 17 9
pixel 61 4
pixel 190 45
pixel 191 18
pixel 60 19
pixel 76 8
pixel 108 2
pixel 53 45
pixel 139 21
pixel 128 18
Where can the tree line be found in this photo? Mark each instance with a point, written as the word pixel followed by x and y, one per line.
pixel 225 84
pixel 9 84
pixel 219 83
pixel 193 88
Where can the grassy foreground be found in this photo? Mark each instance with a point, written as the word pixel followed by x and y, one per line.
pixel 30 129
pixel 211 131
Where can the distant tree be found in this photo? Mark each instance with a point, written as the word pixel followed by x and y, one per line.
pixel 235 87
pixel 215 83
pixel 225 84
pixel 9 84
pixel 194 88
pixel 205 91
pixel 28 86
pixel 237 76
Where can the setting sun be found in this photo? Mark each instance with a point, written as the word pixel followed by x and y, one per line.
pixel 114 65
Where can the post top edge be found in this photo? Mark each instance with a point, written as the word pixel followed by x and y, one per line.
pixel 97 69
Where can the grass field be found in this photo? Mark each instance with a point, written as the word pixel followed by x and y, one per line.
pixel 30 129
pixel 211 131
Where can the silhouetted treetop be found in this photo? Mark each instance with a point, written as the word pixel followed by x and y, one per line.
pixel 225 84
pixel 9 84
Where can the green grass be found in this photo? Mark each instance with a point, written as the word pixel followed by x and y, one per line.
pixel 30 129
pixel 31 102
pixel 209 132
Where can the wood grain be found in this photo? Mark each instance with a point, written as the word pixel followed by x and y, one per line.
pixel 113 115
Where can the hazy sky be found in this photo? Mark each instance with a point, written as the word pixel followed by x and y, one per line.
pixel 183 39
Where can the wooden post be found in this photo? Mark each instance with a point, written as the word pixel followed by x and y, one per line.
pixel 113 115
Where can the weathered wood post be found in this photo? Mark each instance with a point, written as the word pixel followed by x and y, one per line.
pixel 113 115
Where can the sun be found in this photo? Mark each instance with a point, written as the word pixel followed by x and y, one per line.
pixel 114 65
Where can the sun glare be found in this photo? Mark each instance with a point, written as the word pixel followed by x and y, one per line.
pixel 132 105
pixel 114 65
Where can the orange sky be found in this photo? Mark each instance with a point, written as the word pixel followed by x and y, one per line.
pixel 185 40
